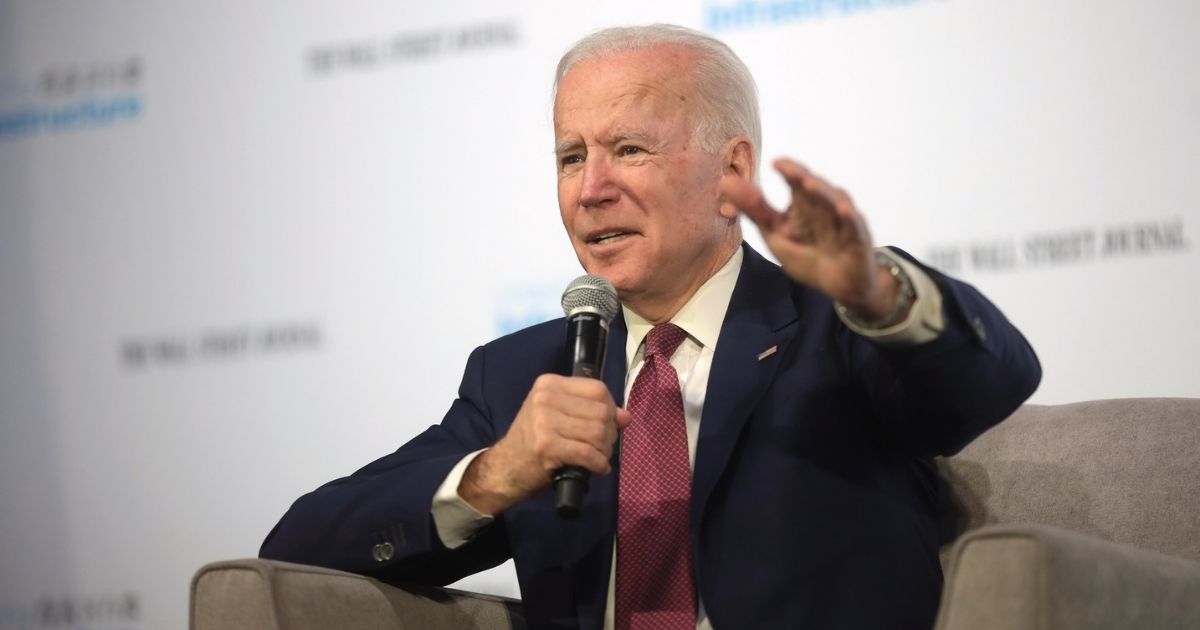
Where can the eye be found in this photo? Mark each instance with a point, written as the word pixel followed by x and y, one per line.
pixel 571 159
pixel 629 149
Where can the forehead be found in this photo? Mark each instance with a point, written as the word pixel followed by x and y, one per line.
pixel 652 80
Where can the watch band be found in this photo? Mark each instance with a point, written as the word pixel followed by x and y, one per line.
pixel 905 295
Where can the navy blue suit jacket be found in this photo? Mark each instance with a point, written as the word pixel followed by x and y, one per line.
pixel 814 491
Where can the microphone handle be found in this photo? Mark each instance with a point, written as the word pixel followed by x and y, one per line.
pixel 570 484
pixel 587 335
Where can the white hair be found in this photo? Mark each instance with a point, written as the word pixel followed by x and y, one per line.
pixel 727 99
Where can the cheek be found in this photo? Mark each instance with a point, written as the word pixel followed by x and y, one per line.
pixel 700 195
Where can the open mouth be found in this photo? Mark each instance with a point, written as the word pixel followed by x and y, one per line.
pixel 608 237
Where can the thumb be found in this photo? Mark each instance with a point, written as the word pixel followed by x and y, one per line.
pixel 623 418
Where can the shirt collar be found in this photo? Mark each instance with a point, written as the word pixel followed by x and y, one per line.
pixel 701 317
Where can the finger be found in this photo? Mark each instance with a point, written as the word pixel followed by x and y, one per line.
pixel 551 404
pixel 812 187
pixel 557 440
pixel 750 201
pixel 579 386
pixel 587 409
pixel 589 388
pixel 818 206
pixel 572 453
pixel 572 417
pixel 600 434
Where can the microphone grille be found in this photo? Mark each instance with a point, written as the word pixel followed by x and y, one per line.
pixel 593 294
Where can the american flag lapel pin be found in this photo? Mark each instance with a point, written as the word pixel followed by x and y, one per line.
pixel 768 352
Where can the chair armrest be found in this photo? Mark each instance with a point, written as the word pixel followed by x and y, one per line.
pixel 1042 578
pixel 266 594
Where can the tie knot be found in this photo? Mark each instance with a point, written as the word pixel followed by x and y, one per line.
pixel 663 340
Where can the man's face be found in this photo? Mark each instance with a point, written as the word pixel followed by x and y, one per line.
pixel 637 196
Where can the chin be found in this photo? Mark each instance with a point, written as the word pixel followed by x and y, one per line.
pixel 623 283
pixel 626 273
pixel 611 272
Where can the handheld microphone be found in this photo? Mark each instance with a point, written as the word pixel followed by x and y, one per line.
pixel 589 303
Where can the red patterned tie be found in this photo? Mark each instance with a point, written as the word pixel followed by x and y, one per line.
pixel 655 589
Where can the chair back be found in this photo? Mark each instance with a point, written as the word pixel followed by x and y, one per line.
pixel 1124 470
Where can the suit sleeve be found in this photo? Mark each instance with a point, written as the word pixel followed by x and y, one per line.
pixel 377 521
pixel 934 398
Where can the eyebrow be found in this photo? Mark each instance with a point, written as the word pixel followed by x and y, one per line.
pixel 566 146
pixel 637 136
pixel 570 145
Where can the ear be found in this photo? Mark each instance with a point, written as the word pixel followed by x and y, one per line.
pixel 737 160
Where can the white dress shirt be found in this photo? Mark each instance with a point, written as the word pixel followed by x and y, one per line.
pixel 701 318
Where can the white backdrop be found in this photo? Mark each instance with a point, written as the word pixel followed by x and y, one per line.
pixel 245 248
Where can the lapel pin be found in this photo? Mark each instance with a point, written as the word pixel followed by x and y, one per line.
pixel 768 352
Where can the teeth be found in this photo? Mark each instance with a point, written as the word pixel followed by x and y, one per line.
pixel 608 237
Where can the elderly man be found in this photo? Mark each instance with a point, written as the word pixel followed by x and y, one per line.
pixel 772 467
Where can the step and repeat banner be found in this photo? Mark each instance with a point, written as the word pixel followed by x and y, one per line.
pixel 246 248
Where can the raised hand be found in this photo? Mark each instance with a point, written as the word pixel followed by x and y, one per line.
pixel 820 240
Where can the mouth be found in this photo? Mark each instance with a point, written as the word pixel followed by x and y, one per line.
pixel 607 236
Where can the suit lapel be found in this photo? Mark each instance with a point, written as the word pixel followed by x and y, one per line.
pixel 614 362
pixel 761 316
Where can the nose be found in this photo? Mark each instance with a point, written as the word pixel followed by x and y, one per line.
pixel 597 187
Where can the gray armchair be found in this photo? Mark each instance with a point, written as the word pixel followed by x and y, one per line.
pixel 1063 517
pixel 1076 516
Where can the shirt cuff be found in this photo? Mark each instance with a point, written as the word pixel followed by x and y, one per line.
pixel 925 320
pixel 456 520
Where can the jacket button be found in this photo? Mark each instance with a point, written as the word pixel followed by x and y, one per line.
pixel 383 552
pixel 980 329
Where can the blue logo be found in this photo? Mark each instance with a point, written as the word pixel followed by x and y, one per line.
pixel 752 13
pixel 522 306
pixel 71 98
pixel 84 114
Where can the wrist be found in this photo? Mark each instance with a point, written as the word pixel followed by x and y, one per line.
pixel 890 301
pixel 480 486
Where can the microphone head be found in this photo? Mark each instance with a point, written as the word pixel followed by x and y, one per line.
pixel 590 294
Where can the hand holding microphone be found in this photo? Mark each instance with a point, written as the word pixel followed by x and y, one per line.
pixel 566 427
